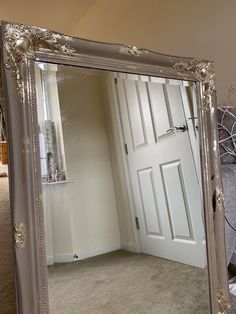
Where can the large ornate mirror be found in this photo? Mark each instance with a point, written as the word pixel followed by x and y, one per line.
pixel 115 184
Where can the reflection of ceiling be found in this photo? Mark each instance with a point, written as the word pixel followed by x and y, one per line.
pixel 67 73
pixel 57 15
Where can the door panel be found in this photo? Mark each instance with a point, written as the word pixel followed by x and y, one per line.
pixel 147 113
pixel 159 108
pixel 149 202
pixel 175 104
pixel 176 200
pixel 135 114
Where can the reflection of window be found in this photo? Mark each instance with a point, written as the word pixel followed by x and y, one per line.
pixel 52 156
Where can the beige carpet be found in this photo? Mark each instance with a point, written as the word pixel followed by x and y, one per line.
pixel 7 285
pixel 126 283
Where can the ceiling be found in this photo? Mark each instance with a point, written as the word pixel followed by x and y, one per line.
pixel 56 15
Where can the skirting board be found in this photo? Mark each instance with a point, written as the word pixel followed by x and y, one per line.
pixel 61 258
pixel 50 260
pixel 130 247
pixel 82 254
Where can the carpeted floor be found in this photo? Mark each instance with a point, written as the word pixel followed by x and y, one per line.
pixel 125 283
pixel 7 284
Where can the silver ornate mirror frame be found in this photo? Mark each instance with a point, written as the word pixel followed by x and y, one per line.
pixel 21 46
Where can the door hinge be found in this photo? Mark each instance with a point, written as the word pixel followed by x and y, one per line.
pixel 137 223
pixel 116 81
pixel 126 149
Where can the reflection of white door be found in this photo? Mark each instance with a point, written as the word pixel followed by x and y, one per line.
pixel 162 172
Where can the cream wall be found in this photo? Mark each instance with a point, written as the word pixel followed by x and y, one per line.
pixel 128 235
pixel 57 209
pixel 82 214
pixel 90 197
pixel 202 28
pixel 56 15
pixel 56 202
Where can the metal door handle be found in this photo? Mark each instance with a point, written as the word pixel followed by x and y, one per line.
pixel 181 128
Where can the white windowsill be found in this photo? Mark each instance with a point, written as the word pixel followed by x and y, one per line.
pixel 58 182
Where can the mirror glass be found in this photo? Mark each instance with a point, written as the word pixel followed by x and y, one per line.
pixel 227 145
pixel 122 196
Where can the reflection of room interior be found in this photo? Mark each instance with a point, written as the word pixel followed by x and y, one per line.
pixel 91 243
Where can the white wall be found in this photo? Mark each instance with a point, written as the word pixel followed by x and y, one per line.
pixel 57 205
pixel 129 239
pixel 59 246
pixel 203 29
pixel 92 203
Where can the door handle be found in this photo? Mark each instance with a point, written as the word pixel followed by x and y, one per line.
pixel 181 128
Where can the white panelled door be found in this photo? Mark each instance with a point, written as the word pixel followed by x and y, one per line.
pixel 162 170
